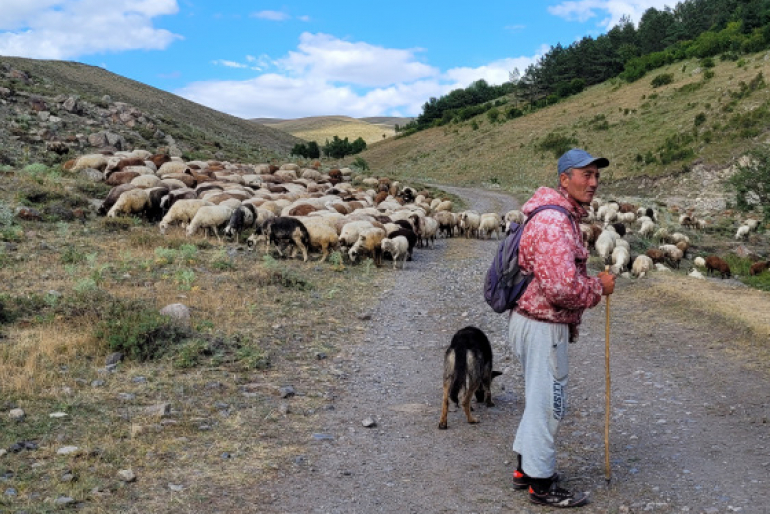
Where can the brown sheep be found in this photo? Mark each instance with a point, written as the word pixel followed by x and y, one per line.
pixel 714 263
pixel 381 196
pixel 627 207
pixel 335 176
pixel 656 255
pixel 129 161
pixel 121 177
pixel 302 210
pixel 159 159
pixel 682 245
pixel 758 267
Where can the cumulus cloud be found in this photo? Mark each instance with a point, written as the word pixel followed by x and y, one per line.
pixel 328 75
pixel 63 29
pixel 611 10
pixel 324 57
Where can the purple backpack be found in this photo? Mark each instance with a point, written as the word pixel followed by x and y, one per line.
pixel 504 282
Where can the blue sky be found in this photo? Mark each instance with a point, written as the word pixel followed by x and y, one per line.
pixel 297 58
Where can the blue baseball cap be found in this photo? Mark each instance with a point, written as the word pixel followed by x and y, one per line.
pixel 577 158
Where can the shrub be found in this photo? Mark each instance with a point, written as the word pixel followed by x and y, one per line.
pixel 707 62
pixel 360 163
pixel 514 112
pixel 138 331
pixel 556 143
pixel 700 119
pixel 752 181
pixel 493 114
pixel 662 80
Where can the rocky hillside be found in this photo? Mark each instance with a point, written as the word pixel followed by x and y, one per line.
pixel 53 110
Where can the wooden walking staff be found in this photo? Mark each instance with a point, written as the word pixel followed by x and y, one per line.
pixel 607 473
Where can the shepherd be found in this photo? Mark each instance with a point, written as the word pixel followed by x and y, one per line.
pixel 547 317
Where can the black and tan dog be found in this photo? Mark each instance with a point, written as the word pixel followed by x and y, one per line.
pixel 468 365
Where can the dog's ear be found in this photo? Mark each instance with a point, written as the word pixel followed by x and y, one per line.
pixel 496 373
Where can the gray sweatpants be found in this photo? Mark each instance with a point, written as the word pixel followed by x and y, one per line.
pixel 542 349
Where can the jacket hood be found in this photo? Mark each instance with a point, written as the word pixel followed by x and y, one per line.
pixel 549 196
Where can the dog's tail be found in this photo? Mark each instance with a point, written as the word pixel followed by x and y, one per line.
pixel 460 375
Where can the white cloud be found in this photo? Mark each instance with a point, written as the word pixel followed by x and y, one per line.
pixel 63 29
pixel 584 10
pixel 330 76
pixel 303 18
pixel 271 15
pixel 324 57
pixel 229 64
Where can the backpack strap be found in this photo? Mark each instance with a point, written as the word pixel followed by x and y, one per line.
pixel 554 207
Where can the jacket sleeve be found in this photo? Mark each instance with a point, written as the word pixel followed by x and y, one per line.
pixel 563 281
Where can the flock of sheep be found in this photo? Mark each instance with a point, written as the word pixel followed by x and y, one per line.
pixel 304 209
pixel 608 222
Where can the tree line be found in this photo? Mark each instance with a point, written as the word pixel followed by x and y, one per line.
pixel 691 29
pixel 336 148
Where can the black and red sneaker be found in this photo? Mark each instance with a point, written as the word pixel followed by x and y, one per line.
pixel 556 496
pixel 521 480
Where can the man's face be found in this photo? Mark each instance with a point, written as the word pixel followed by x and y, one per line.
pixel 581 183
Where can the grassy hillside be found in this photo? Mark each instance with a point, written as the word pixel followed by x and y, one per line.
pixel 321 128
pixel 198 128
pixel 706 120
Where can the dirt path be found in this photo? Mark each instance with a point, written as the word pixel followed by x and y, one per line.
pixel 690 430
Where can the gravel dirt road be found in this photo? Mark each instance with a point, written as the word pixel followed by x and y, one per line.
pixel 689 427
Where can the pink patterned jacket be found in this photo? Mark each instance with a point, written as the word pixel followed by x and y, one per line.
pixel 552 247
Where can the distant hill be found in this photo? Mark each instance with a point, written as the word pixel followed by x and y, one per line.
pixel 34 93
pixel 321 128
pixel 701 122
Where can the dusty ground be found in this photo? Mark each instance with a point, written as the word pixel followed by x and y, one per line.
pixel 690 402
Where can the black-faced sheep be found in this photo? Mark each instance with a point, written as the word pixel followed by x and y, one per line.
pixel 242 218
pixel 282 231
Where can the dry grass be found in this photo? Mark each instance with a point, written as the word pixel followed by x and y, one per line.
pixel 227 430
pixel 323 128
pixel 640 118
pixel 741 311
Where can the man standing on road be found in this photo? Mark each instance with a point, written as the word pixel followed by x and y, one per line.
pixel 547 317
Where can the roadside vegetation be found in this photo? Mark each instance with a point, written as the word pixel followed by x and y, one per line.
pixel 77 290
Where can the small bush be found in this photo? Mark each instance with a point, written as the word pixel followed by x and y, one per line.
pixel 138 331
pixel 662 80
pixel 556 143
pixel 707 62
pixel 700 119
pixel 360 163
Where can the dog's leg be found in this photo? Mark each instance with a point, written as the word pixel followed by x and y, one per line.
pixel 467 405
pixel 445 405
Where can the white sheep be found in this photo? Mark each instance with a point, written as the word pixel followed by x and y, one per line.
pixel 490 223
pixel 350 231
pixel 642 265
pixel 752 224
pixel 322 234
pixel 743 232
pixel 700 262
pixel 469 223
pixel 673 254
pixel 647 229
pixel 210 218
pixel 369 242
pixel 134 201
pixel 605 244
pixel 514 216
pixel 182 212
pixel 620 259
pixel 676 237
pixel 625 217
pixel 659 266
pixel 398 248
pixel 695 274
